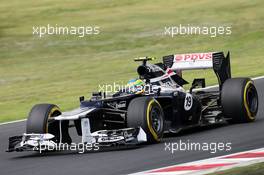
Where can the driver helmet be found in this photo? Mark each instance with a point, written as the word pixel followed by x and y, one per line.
pixel 135 86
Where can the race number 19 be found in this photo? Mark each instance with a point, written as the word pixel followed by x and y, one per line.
pixel 188 102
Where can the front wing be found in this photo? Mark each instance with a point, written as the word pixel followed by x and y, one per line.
pixel 98 139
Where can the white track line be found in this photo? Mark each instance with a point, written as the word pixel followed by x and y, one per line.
pixel 208 87
pixel 215 86
pixel 257 78
pixel 15 121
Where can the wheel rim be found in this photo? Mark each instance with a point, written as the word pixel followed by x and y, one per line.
pixel 156 118
pixel 252 99
pixel 55 111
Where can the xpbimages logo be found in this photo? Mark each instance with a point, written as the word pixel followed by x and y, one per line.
pixel 79 147
pixel 80 31
pixel 212 147
pixel 212 31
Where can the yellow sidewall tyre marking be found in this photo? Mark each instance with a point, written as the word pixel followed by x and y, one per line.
pixel 154 134
pixel 249 114
pixel 55 108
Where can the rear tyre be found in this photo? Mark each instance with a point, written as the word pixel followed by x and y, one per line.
pixel 38 122
pixel 239 100
pixel 146 112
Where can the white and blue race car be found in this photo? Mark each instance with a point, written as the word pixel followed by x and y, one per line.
pixel 151 105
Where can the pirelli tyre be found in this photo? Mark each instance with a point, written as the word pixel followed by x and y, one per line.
pixel 38 122
pixel 239 100
pixel 146 112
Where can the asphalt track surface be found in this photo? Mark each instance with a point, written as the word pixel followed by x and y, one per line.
pixel 242 136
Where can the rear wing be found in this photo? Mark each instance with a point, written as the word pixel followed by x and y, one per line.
pixel 211 60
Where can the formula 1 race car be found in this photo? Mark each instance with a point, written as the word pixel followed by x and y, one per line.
pixel 149 106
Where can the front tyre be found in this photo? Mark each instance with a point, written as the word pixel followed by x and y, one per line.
pixel 38 117
pixel 39 122
pixel 146 112
pixel 239 100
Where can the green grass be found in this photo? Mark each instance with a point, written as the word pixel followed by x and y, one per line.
pixel 59 69
pixel 256 169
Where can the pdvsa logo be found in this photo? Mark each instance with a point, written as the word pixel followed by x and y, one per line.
pixel 193 57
